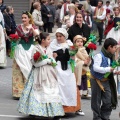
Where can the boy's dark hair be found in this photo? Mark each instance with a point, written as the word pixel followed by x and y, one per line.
pixel 42 35
pixel 100 1
pixel 109 42
pixel 107 2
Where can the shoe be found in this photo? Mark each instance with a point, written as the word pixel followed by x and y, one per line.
pixel 86 96
pixel 56 118
pixel 80 112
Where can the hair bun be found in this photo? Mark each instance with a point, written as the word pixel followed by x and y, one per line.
pixel 37 38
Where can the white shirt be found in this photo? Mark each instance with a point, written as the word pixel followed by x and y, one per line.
pixel 101 17
pixel 97 62
pixel 37 17
pixel 62 11
pixel 109 7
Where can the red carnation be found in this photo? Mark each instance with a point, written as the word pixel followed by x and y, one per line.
pixel 14 37
pixel 36 56
pixel 92 46
pixel 72 47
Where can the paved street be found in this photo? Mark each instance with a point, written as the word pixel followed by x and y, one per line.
pixel 8 106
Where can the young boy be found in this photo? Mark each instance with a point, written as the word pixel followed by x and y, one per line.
pixel 104 97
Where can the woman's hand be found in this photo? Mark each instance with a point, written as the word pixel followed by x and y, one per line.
pixel 87 61
pixel 117 72
pixel 55 55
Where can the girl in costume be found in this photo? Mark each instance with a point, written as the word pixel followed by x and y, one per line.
pixel 66 78
pixel 114 32
pixel 41 94
pixel 21 63
pixel 82 65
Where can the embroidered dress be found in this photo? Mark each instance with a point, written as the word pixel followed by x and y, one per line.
pixel 66 79
pixel 22 64
pixel 3 59
pixel 41 94
pixel 115 34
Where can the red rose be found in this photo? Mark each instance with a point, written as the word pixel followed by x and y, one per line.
pixel 92 46
pixel 36 56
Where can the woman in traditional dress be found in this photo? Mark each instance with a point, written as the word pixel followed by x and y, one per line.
pixel 41 94
pixel 114 31
pixel 66 79
pixel 22 64
pixel 3 59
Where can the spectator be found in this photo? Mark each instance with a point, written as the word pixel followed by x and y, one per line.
pixel 93 2
pixel 76 2
pixel 45 11
pixel 37 18
pixel 2 19
pixel 69 19
pixel 108 7
pixel 87 19
pixel 64 9
pixel 99 17
pixel 52 18
pixel 32 8
pixel 10 11
pixel 8 27
pixel 2 6
pixel 81 9
pixel 117 3
pixel 57 15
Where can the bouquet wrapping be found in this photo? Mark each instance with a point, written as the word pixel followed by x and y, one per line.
pixel 117 27
pixel 91 44
pixel 114 64
pixel 39 57
pixel 14 38
pixel 72 51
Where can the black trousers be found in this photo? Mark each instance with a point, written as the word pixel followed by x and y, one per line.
pixel 48 26
pixel 101 101
pixel 99 26
pixel 45 27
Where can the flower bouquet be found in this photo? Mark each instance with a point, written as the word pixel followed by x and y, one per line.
pixel 14 38
pixel 117 27
pixel 72 51
pixel 39 57
pixel 91 44
pixel 114 64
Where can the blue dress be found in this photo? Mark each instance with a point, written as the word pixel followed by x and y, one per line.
pixel 29 105
pixel 43 100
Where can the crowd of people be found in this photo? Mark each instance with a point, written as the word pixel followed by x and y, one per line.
pixel 42 77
